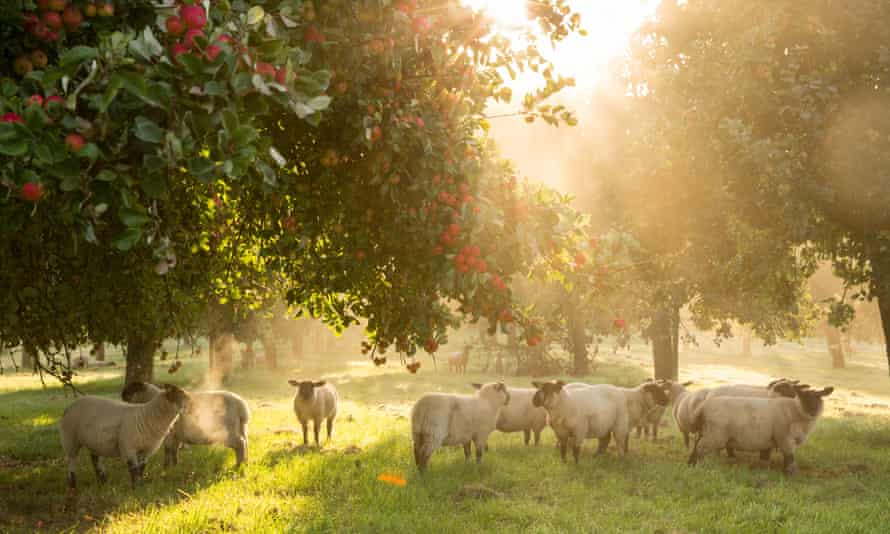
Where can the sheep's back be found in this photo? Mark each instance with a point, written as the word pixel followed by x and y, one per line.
pixel 750 423
pixel 520 413
pixel 600 405
pixel 95 423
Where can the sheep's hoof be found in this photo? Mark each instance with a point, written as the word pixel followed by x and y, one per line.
pixel 791 470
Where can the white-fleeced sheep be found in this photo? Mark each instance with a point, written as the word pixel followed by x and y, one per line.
pixel 582 412
pixel 641 401
pixel 758 424
pixel 686 404
pixel 440 419
pixel 108 428
pixel 212 417
pixel 315 401
pixel 521 415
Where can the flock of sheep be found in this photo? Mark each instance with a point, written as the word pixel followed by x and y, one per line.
pixel 740 417
pixel 737 417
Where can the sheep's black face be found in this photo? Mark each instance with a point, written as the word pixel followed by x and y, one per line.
pixel 657 392
pixel 785 389
pixel 811 400
pixel 547 391
pixel 176 396
pixel 306 388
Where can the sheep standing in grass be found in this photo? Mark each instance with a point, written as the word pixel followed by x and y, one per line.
pixel 315 401
pixel 686 403
pixel 440 419
pixel 651 421
pixel 758 424
pixel 212 417
pixel 108 427
pixel 457 361
pixel 578 413
pixel 641 401
pixel 522 415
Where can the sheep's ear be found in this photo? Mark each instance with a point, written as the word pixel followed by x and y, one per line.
pixel 538 385
pixel 319 383
pixel 476 386
pixel 688 383
pixel 294 383
pixel 560 384
pixel 826 392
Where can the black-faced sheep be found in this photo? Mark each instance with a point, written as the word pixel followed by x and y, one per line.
pixel 315 401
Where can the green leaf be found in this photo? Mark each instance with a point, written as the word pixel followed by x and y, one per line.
pixel 214 88
pixel 202 168
pixel 241 83
pixel 135 216
pixel 154 184
pixel 70 183
pixel 89 151
pixel 146 130
pixel 76 55
pixel 153 163
pixel 128 238
pixel 114 86
pixel 146 45
pixel 7 132
pixel 319 102
pixel 106 175
pixel 14 147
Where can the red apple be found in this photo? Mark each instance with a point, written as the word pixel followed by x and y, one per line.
pixel 225 38
pixel 39 31
pixel 31 191
pixel 178 49
pixel 52 36
pixel 57 5
pixel 421 25
pixel 360 255
pixel 90 10
pixel 376 133
pixel 212 51
pixel 43 4
pixel 190 35
pixel 281 75
pixel 11 117
pixel 72 17
pixel 619 323
pixel 174 25
pixel 106 10
pixel 193 16
pixel 312 35
pixel 35 99
pixel 54 100
pixel 264 69
pixel 74 142
pixel 52 20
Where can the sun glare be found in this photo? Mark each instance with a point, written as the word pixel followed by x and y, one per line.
pixel 608 23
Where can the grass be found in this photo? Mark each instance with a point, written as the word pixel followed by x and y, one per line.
pixel 843 484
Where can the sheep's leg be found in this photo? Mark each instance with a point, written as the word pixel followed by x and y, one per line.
pixel 537 437
pixel 72 469
pixel 686 439
pixel 789 466
pixel 330 425
pixel 315 425
pixel 730 452
pixel 418 448
pixel 576 450
pixel 100 470
pixel 467 451
pixel 527 435
pixel 640 431
pixel 654 432
pixel 765 454
pixel 305 433
pixel 480 446
pixel 563 448
pixel 240 449
pixel 603 444
pixel 135 473
pixel 696 454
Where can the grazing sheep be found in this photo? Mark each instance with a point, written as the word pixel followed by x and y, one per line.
pixel 108 427
pixel 758 424
pixel 457 361
pixel 441 419
pixel 686 404
pixel 641 400
pixel 522 415
pixel 315 401
pixel 652 420
pixel 578 413
pixel 212 417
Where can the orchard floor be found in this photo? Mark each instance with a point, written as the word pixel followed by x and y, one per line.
pixel 843 484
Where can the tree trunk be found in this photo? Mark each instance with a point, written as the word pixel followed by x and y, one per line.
pixel 746 345
pixel 140 359
pixel 271 351
pixel 29 357
pixel 580 362
pixel 665 334
pixel 880 286
pixel 835 349
pixel 99 351
pixel 296 344
pixel 884 306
